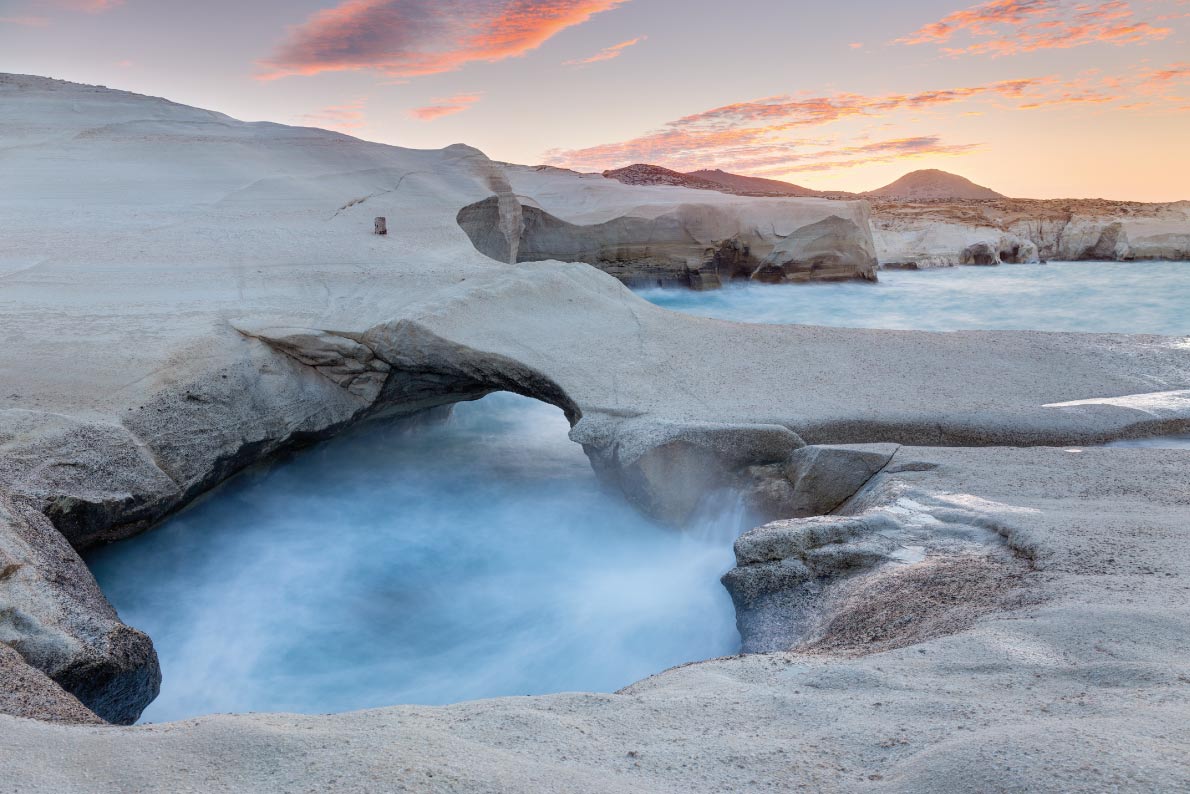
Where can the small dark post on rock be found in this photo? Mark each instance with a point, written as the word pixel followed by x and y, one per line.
pixel 381 226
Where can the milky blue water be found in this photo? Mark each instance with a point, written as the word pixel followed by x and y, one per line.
pixel 1180 441
pixel 420 563
pixel 1123 297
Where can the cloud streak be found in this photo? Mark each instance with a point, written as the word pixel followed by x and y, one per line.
pixel 445 106
pixel 607 53
pixel 772 135
pixel 409 38
pixel 1009 27
pixel 38 21
pixel 348 117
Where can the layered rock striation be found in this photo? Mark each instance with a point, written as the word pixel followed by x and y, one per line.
pixel 944 233
pixel 659 235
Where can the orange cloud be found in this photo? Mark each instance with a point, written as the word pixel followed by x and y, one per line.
pixel 408 38
pixel 1156 80
pixel 30 22
pixel 445 106
pixel 758 136
pixel 607 53
pixel 1008 27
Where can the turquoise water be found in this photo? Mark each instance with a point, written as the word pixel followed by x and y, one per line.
pixel 1123 297
pixel 420 563
pixel 1181 441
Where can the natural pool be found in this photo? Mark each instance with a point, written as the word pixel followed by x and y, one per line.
pixel 415 562
pixel 1122 297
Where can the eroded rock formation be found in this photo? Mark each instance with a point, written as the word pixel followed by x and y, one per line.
pixel 943 233
pixel 688 244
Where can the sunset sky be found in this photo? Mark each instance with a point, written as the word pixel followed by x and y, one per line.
pixel 1039 98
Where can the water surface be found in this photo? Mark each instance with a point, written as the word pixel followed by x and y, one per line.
pixel 1122 297
pixel 420 563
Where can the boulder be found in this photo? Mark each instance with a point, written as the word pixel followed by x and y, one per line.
pixel 783 569
pixel 834 249
pixel 30 693
pixel 814 480
pixel 981 253
pixel 670 469
pixel 55 617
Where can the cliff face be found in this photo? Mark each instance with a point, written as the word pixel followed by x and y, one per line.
pixel 661 234
pixel 950 232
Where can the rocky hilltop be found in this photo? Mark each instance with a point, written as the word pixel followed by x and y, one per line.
pixel 933 184
pixel 706 179
pixel 956 589
pixel 753 185
pixel 643 174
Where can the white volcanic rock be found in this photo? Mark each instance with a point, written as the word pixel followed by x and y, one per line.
pixel 655 231
pixel 216 293
pixel 945 233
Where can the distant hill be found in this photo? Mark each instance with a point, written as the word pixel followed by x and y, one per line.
pixel 753 185
pixel 919 185
pixel 642 174
pixel 934 184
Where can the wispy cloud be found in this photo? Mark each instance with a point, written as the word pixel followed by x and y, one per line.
pixel 607 53
pixel 90 6
pixel 770 135
pixel 348 117
pixel 37 20
pixel 445 106
pixel 1008 27
pixel 408 38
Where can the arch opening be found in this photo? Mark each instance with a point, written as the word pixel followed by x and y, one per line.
pixel 458 553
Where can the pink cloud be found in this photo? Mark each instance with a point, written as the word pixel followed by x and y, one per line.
pixel 607 53
pixel 37 21
pixel 1008 27
pixel 408 38
pixel 445 106
pixel 347 117
pixel 89 6
pixel 768 135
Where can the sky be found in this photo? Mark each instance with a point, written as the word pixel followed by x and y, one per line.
pixel 1033 98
